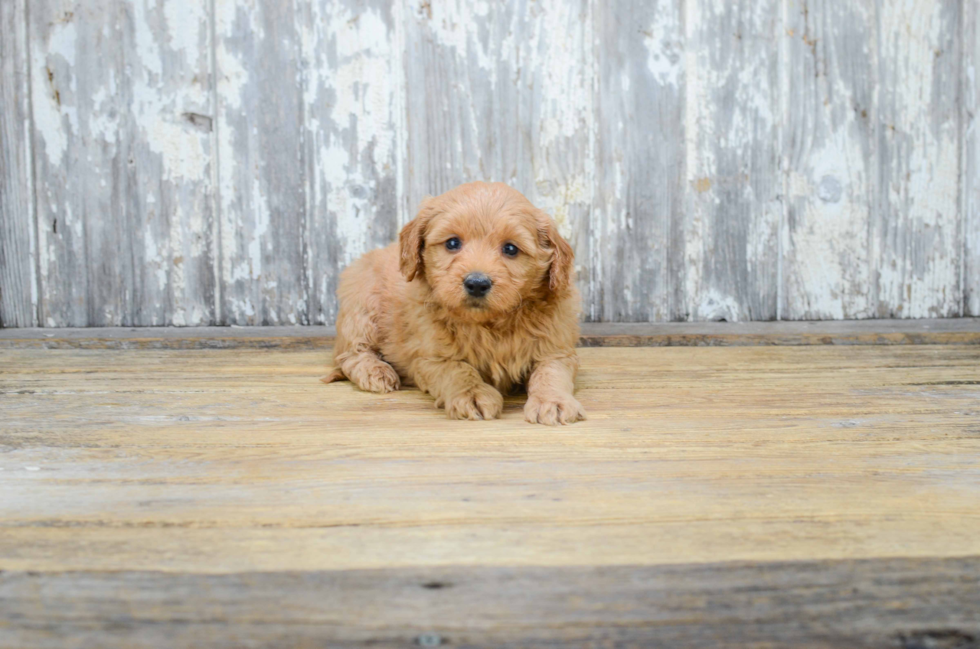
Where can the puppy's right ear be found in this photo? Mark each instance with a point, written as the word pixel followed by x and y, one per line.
pixel 411 242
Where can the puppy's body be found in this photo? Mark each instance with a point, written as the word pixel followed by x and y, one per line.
pixel 407 316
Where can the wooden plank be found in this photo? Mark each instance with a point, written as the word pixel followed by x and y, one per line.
pixel 904 603
pixel 963 331
pixel 504 92
pixel 229 461
pixel 18 282
pixel 970 133
pixel 121 108
pixel 263 167
pixel 352 81
pixel 640 161
pixel 918 225
pixel 732 99
pixel 831 160
pixel 332 130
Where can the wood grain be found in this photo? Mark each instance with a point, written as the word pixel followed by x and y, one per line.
pixel 227 498
pixel 227 461
pixel 918 222
pixel 970 133
pixel 503 92
pixel 960 331
pixel 831 160
pixel 121 109
pixel 909 604
pixel 263 182
pixel 18 283
pixel 733 99
pixel 639 137
pixel 220 162
pixel 351 84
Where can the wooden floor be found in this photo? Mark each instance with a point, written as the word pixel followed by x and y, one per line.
pixel 719 496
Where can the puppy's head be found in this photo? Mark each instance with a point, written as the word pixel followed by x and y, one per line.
pixel 484 250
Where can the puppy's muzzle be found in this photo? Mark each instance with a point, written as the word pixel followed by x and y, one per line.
pixel 477 284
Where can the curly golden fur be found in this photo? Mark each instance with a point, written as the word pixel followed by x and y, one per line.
pixel 406 317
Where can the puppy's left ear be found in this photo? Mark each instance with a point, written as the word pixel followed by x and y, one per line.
pixel 411 241
pixel 562 256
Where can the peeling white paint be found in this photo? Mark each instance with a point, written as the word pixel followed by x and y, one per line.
pixel 352 47
pixel 185 27
pixel 147 47
pixel 665 46
pixel 452 24
pixel 918 277
pixel 714 306
pixel 559 199
pixel 565 90
pixel 697 165
pixel 544 58
pixel 50 60
pixel 362 81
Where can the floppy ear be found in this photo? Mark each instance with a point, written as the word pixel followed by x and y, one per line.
pixel 562 257
pixel 411 242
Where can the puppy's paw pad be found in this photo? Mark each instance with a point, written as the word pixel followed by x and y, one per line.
pixel 479 402
pixel 553 411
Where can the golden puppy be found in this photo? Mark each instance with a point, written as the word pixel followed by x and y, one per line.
pixel 475 299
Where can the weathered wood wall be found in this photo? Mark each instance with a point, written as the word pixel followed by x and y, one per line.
pixel 191 163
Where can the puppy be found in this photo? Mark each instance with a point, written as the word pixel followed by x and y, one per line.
pixel 475 299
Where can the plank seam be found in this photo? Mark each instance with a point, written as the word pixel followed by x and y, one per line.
pixel 952 331
pixel 784 57
pixel 970 296
pixel 34 234
pixel 305 269
pixel 402 209
pixel 593 135
pixel 310 168
pixel 961 177
pixel 216 247
pixel 875 181
pixel 666 227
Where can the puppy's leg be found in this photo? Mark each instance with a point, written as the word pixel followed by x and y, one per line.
pixel 549 393
pixel 355 352
pixel 458 388
pixel 368 371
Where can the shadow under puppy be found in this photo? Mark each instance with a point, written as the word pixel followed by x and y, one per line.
pixel 475 299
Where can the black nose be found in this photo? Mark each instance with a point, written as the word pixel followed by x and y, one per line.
pixel 477 284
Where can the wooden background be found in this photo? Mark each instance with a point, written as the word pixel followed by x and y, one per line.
pixel 196 162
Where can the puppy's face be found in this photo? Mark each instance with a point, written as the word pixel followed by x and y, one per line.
pixel 484 249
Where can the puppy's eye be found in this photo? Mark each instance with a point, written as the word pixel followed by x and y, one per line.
pixel 454 244
pixel 510 250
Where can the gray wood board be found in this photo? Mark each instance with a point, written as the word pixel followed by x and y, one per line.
pixel 351 96
pixel 917 233
pixel 222 162
pixel 503 91
pixel 18 287
pixel 732 114
pixel 831 160
pixel 264 202
pixel 970 183
pixel 905 603
pixel 853 332
pixel 121 98
pixel 641 163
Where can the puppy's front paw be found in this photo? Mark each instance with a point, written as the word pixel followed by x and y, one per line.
pixel 552 411
pixel 375 375
pixel 479 402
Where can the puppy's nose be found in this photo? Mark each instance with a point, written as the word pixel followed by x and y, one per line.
pixel 477 284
